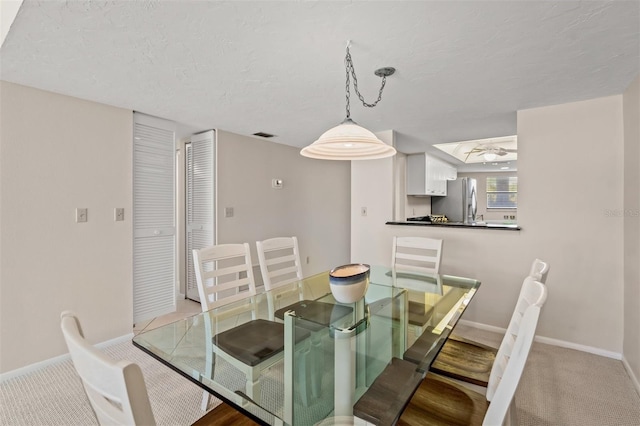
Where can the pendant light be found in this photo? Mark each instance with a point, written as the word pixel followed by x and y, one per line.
pixel 349 141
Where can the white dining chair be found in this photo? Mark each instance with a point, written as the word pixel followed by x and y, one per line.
pixel 416 254
pixel 281 269
pixel 279 261
pixel 470 361
pixel 411 257
pixel 116 389
pixel 441 401
pixel 539 271
pixel 224 275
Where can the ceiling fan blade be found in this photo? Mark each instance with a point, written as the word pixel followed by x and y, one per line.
pixel 475 150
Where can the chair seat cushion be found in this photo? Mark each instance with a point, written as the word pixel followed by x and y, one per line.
pixel 419 313
pixel 466 361
pixel 255 341
pixel 441 402
pixel 389 393
pixel 320 314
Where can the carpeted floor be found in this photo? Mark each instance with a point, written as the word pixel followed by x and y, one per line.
pixel 565 387
pixel 54 395
pixel 559 387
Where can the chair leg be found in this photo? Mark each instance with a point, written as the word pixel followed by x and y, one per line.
pixel 253 386
pixel 206 399
pixel 206 396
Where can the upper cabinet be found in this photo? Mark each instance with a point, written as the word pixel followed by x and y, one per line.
pixel 427 175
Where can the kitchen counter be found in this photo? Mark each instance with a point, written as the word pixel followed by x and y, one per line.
pixel 507 227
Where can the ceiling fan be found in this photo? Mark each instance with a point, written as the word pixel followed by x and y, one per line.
pixel 490 152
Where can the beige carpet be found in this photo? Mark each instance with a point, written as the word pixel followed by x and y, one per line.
pixel 559 387
pixel 566 387
pixel 54 395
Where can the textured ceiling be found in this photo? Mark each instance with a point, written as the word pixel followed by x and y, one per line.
pixel 463 68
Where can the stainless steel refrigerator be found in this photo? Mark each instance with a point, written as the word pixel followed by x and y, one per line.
pixel 460 204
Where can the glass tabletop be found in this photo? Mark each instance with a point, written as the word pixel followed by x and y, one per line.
pixel 315 357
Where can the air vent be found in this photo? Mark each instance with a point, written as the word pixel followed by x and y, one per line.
pixel 263 135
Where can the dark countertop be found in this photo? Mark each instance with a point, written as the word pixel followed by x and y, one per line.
pixel 458 225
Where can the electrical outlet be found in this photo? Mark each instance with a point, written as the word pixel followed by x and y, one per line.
pixel 118 214
pixel 228 212
pixel 307 260
pixel 363 211
pixel 81 215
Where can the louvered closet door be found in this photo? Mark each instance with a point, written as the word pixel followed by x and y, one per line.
pixel 200 201
pixel 154 245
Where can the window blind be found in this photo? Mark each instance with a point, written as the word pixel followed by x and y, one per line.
pixel 502 192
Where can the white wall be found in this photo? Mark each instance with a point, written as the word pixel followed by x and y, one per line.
pixel 59 153
pixel 631 349
pixel 562 202
pixel 570 164
pixel 373 187
pixel 313 205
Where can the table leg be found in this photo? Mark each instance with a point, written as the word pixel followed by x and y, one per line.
pixel 345 372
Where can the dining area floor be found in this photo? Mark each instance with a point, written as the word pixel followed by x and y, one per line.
pixel 184 309
pixel 559 387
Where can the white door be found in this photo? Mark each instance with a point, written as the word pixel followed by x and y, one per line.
pixel 200 199
pixel 154 257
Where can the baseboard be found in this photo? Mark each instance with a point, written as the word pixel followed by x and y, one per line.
pixel 634 379
pixel 549 341
pixel 481 326
pixel 58 359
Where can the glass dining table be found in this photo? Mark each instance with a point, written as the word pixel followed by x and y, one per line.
pixel 330 355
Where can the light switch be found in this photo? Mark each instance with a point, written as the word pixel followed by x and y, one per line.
pixel 228 212
pixel 118 214
pixel 81 215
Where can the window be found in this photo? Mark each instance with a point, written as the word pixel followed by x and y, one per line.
pixel 502 192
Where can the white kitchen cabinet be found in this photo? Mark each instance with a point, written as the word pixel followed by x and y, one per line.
pixel 427 175
pixel 450 172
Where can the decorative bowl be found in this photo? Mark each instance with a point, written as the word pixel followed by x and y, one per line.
pixel 349 283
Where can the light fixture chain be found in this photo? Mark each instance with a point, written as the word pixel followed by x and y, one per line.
pixel 350 68
pixel 347 67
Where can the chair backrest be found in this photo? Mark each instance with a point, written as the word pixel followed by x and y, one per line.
pixel 279 261
pixel 533 293
pixel 416 254
pixel 511 371
pixel 115 389
pixel 539 270
pixel 224 274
